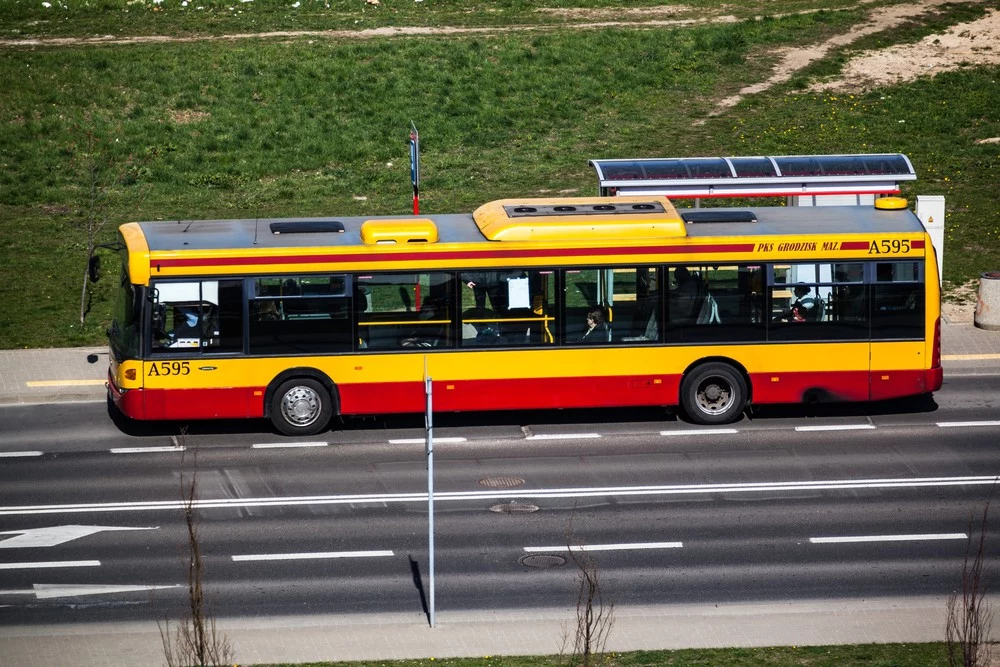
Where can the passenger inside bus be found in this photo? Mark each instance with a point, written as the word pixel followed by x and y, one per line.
pixel 430 330
pixel 597 327
pixel 805 307
pixel 687 296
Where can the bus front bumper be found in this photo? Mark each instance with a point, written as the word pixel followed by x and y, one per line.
pixel 128 401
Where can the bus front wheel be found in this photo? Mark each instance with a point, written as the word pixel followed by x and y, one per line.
pixel 301 406
pixel 714 393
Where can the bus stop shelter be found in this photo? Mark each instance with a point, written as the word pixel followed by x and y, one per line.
pixel 805 180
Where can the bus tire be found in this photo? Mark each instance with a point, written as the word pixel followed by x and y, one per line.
pixel 301 406
pixel 714 393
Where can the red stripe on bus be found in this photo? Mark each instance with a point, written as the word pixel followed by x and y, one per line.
pixel 896 384
pixel 854 245
pixel 519 394
pixel 793 387
pixel 473 256
pixel 917 245
pixel 533 393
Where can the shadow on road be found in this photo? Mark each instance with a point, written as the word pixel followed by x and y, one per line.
pixel 521 418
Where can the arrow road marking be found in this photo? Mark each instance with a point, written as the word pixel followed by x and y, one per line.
pixel 54 535
pixel 47 591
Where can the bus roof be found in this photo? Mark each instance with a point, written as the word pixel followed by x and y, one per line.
pixel 488 226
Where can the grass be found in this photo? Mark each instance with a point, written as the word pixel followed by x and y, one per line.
pixel 30 18
pixel 317 126
pixel 867 655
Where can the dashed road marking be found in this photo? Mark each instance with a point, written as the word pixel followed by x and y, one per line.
pixel 707 431
pixel 608 547
pixel 50 564
pixel 889 538
pixel 312 555
pixel 420 441
pixel 837 427
pixel 146 450
pixel 959 424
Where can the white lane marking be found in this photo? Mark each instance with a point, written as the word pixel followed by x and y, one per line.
pixel 562 436
pixel 314 555
pixel 837 427
pixel 277 445
pixel 420 441
pixel 50 564
pixel 54 535
pixel 889 538
pixel 46 591
pixel 609 547
pixel 146 450
pixel 11 455
pixel 707 431
pixel 501 494
pixel 958 424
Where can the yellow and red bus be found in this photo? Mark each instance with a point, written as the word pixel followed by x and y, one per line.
pixel 525 303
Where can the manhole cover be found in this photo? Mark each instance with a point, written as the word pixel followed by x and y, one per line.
pixel 541 560
pixel 501 482
pixel 514 508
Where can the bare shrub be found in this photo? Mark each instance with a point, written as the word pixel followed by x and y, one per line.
pixel 194 641
pixel 101 172
pixel 595 618
pixel 970 619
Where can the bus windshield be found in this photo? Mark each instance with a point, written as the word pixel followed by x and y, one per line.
pixel 123 334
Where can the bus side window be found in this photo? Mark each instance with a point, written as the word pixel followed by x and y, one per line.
pixel 204 316
pixel 898 300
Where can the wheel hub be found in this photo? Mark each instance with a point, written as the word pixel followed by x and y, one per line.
pixel 301 406
pixel 714 398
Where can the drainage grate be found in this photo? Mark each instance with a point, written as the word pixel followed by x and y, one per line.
pixel 514 508
pixel 541 560
pixel 501 482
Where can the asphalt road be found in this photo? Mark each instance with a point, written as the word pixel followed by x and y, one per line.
pixel 798 503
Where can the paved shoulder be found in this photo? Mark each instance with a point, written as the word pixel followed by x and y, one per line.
pixel 52 375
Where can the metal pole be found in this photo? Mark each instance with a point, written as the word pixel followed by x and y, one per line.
pixel 429 421
pixel 415 166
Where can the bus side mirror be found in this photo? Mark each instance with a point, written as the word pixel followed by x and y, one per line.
pixel 94 268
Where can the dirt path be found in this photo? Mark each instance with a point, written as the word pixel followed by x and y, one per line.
pixel 964 45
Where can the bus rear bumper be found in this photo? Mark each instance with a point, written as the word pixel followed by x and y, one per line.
pixel 934 378
pixel 127 401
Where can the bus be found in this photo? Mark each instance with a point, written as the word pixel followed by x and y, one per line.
pixel 714 310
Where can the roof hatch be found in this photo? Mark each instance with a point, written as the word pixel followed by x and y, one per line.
pixel 307 227
pixel 718 215
pixel 399 230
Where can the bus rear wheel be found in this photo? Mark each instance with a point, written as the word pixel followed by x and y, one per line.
pixel 301 406
pixel 714 393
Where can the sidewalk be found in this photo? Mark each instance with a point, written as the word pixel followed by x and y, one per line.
pixel 64 374
pixel 480 634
